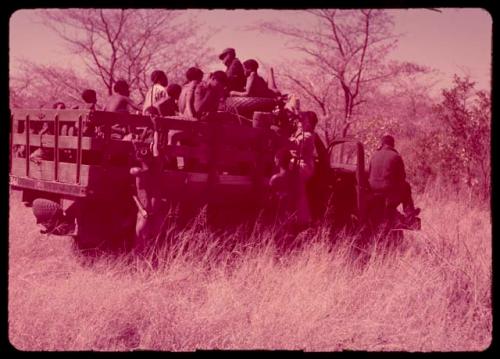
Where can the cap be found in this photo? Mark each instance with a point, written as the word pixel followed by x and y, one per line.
pixel 227 51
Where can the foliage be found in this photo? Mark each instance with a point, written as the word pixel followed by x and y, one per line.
pixel 130 44
pixel 456 150
pixel 433 294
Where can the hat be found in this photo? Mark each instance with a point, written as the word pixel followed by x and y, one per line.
pixel 227 51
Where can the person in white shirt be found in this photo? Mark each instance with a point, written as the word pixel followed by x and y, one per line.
pixel 158 92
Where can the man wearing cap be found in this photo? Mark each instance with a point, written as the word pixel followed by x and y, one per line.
pixel 234 70
pixel 387 176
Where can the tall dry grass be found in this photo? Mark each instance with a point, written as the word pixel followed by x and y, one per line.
pixel 433 294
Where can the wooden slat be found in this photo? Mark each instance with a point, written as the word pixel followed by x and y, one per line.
pixel 69 142
pixel 45 171
pixel 228 154
pixel 235 133
pixel 38 115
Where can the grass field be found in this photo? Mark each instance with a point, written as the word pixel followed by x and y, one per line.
pixel 434 294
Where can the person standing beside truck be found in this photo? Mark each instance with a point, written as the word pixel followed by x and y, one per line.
pixel 387 176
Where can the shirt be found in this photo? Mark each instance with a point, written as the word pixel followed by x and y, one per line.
pixel 168 107
pixel 386 170
pixel 258 86
pixel 236 76
pixel 206 99
pixel 156 94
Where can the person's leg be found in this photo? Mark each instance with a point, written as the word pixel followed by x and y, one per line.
pixel 303 209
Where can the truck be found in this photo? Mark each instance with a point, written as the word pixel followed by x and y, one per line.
pixel 223 164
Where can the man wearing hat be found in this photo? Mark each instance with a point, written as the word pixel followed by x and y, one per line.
pixel 387 176
pixel 234 70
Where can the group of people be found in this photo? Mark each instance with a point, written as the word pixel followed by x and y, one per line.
pixel 197 98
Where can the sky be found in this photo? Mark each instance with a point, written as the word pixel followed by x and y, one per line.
pixel 450 41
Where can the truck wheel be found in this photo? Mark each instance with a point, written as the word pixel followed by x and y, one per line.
pixel 245 104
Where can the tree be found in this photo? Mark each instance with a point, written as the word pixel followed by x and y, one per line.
pixel 456 150
pixel 35 86
pixel 130 44
pixel 346 46
pixel 466 115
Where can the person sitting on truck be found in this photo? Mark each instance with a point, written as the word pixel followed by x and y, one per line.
pixel 120 100
pixel 236 79
pixel 302 164
pixel 169 106
pixel 194 77
pixel 158 91
pixel 208 95
pixel 387 176
pixel 89 96
pixel 256 86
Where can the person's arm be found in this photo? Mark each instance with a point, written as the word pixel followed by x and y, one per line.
pixel 250 82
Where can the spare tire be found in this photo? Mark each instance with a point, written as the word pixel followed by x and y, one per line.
pixel 248 105
pixel 47 213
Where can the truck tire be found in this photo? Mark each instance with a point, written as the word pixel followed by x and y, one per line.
pixel 250 104
pixel 47 212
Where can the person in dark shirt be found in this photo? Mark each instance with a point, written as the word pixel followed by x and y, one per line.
pixel 169 106
pixel 387 176
pixel 234 70
pixel 256 86
pixel 208 95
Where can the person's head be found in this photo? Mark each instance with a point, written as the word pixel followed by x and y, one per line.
pixel 89 96
pixel 121 87
pixel 194 74
pixel 174 91
pixel 250 66
pixel 159 77
pixel 387 140
pixel 227 56
pixel 218 79
pixel 283 158
pixel 59 106
pixel 308 120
